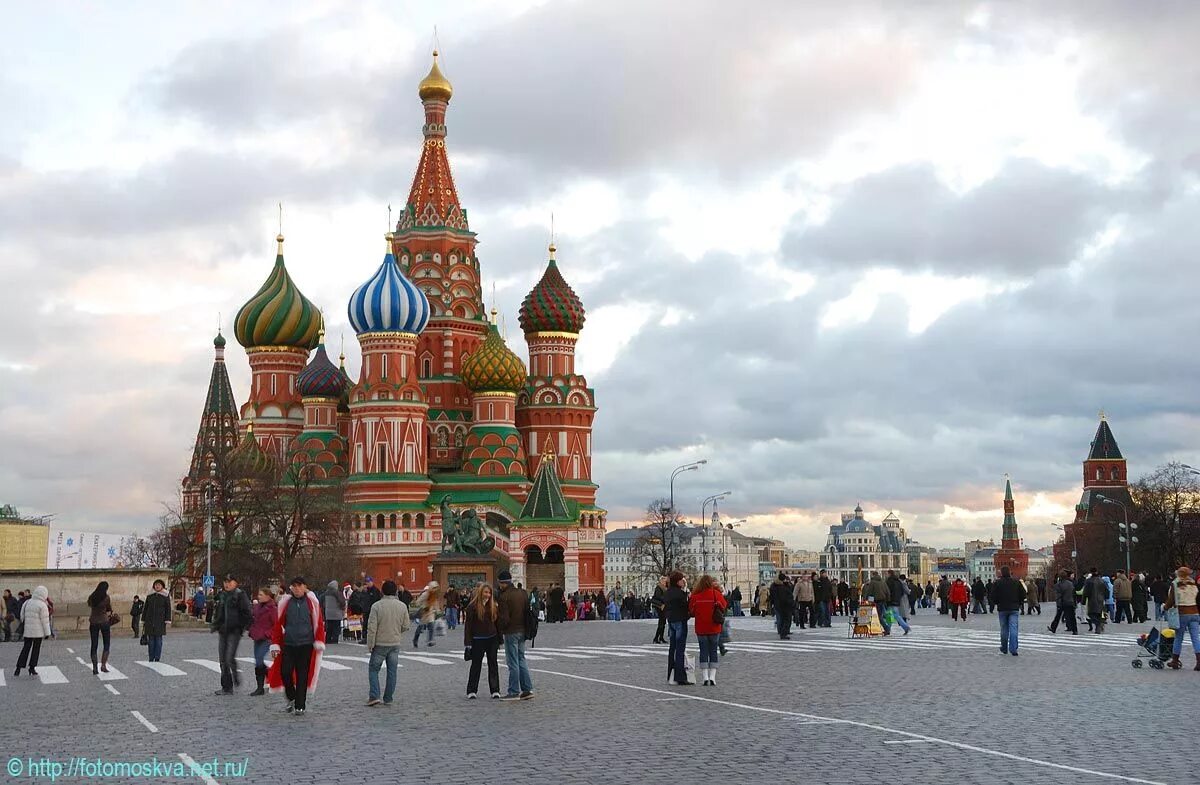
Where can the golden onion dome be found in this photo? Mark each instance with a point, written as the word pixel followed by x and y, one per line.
pixel 435 86
pixel 493 367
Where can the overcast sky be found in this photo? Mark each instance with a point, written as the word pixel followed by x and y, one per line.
pixel 847 252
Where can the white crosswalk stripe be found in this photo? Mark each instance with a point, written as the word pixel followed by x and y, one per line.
pixel 162 668
pixel 211 665
pixel 50 674
pixel 1 677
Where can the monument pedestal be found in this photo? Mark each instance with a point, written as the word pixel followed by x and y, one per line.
pixel 464 571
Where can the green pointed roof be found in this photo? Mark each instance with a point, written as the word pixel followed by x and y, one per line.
pixel 546 501
pixel 1008 497
pixel 1104 446
pixel 278 314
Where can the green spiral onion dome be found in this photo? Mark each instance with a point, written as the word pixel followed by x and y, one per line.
pixel 493 367
pixel 278 315
pixel 247 460
pixel 552 305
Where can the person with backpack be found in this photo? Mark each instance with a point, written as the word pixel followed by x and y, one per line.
pixel 35 615
pixel 707 606
pixel 513 609
pixel 231 618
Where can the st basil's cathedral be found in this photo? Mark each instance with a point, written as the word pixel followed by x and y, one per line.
pixel 441 406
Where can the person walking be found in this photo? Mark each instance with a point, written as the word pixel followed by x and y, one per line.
pixel 658 602
pixel 1064 604
pixel 1031 596
pixel 876 593
pixel 735 597
pixel 1095 592
pixel 1122 590
pixel 451 600
pixel 705 605
pixel 135 614
pixel 1007 596
pixel 802 597
pixel 943 593
pixel 8 611
pixel 822 596
pixel 979 594
pixel 385 634
pixel 156 615
pixel 427 608
pixel 262 622
pixel 231 619
pixel 370 596
pixel 481 639
pixel 297 642
pixel 1141 596
pixel 1182 596
pixel 959 597
pixel 35 616
pixel 334 603
pixel 1158 592
pixel 781 599
pixel 1110 605
pixel 512 606
pixel 100 621
pixel 897 592
pixel 677 618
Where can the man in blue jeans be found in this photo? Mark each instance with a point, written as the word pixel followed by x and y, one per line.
pixel 1008 595
pixel 384 635
pixel 512 604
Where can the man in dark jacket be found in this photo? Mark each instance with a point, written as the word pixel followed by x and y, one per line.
pixel 1158 591
pixel 978 596
pixel 1007 596
pixel 511 605
pixel 1064 602
pixel 156 615
pixel 370 596
pixel 659 603
pixel 556 604
pixel 943 593
pixel 231 619
pixel 822 596
pixel 135 614
pixel 735 598
pixel 781 599
pixel 897 591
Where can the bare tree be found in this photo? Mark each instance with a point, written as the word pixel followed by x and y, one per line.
pixel 1168 516
pixel 134 552
pixel 659 548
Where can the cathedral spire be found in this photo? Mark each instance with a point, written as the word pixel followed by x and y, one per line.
pixel 433 199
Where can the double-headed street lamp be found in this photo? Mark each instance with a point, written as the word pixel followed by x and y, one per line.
pixel 1074 544
pixel 687 467
pixel 1127 538
pixel 725 550
pixel 704 532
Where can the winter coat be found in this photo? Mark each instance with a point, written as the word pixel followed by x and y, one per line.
pixel 877 589
pixel 978 590
pixel 781 596
pixel 700 605
pixel 1139 593
pixel 334 602
pixel 389 619
pixel 1008 594
pixel 156 614
pixel 804 590
pixel 659 599
pixel 1096 592
pixel 1108 584
pixel 677 604
pixel 275 672
pixel 263 620
pixel 135 610
pixel 477 624
pixel 897 590
pixel 510 610
pixel 1159 589
pixel 232 612
pixel 99 614
pixel 1122 589
pixel 943 589
pixel 958 593
pixel 1031 592
pixel 1064 594
pixel 35 614
pixel 427 605
pixel 822 589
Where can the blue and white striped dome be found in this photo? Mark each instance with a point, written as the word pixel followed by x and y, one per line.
pixel 388 302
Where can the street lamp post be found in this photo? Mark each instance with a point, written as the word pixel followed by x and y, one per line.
pixel 725 551
pixel 704 531
pixel 1126 537
pixel 1074 544
pixel 208 502
pixel 687 467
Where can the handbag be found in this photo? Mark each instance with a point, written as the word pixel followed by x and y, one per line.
pixel 467 653
pixel 718 614
pixel 113 619
pixel 144 641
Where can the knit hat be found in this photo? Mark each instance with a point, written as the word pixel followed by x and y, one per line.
pixel 504 577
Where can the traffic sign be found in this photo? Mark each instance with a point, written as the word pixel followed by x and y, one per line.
pixel 208 582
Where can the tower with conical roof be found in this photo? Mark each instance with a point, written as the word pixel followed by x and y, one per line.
pixel 1011 554
pixel 218 432
pixel 435 247
pixel 278 326
pixel 1092 536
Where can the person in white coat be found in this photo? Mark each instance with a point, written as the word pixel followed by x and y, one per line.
pixel 35 614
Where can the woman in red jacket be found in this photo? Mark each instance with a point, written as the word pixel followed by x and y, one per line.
pixel 707 605
pixel 959 597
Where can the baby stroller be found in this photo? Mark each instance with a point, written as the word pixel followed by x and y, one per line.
pixel 1155 646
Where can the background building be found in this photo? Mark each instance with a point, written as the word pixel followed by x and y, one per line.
pixel 23 541
pixel 855 542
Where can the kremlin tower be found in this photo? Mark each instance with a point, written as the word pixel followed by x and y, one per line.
pixel 1011 554
pixel 1093 534
pixel 442 409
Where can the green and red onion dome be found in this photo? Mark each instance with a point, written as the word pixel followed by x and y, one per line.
pixel 248 460
pixel 321 378
pixel 493 367
pixel 552 305
pixel 278 314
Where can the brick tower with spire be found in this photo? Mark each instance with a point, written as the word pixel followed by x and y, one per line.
pixel 435 248
pixel 1093 534
pixel 1011 554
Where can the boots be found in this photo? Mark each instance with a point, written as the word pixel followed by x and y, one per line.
pixel 712 677
pixel 704 676
pixel 260 673
pixel 103 663
pixel 1197 668
pixel 95 667
pixel 1174 664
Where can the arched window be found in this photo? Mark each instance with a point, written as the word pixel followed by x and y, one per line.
pixel 1115 474
pixel 392 521
pixel 426 367
pixel 1099 473
pixel 379 521
pixel 420 520
pixel 406 521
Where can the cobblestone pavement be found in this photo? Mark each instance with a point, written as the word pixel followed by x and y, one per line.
pixel 938 706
